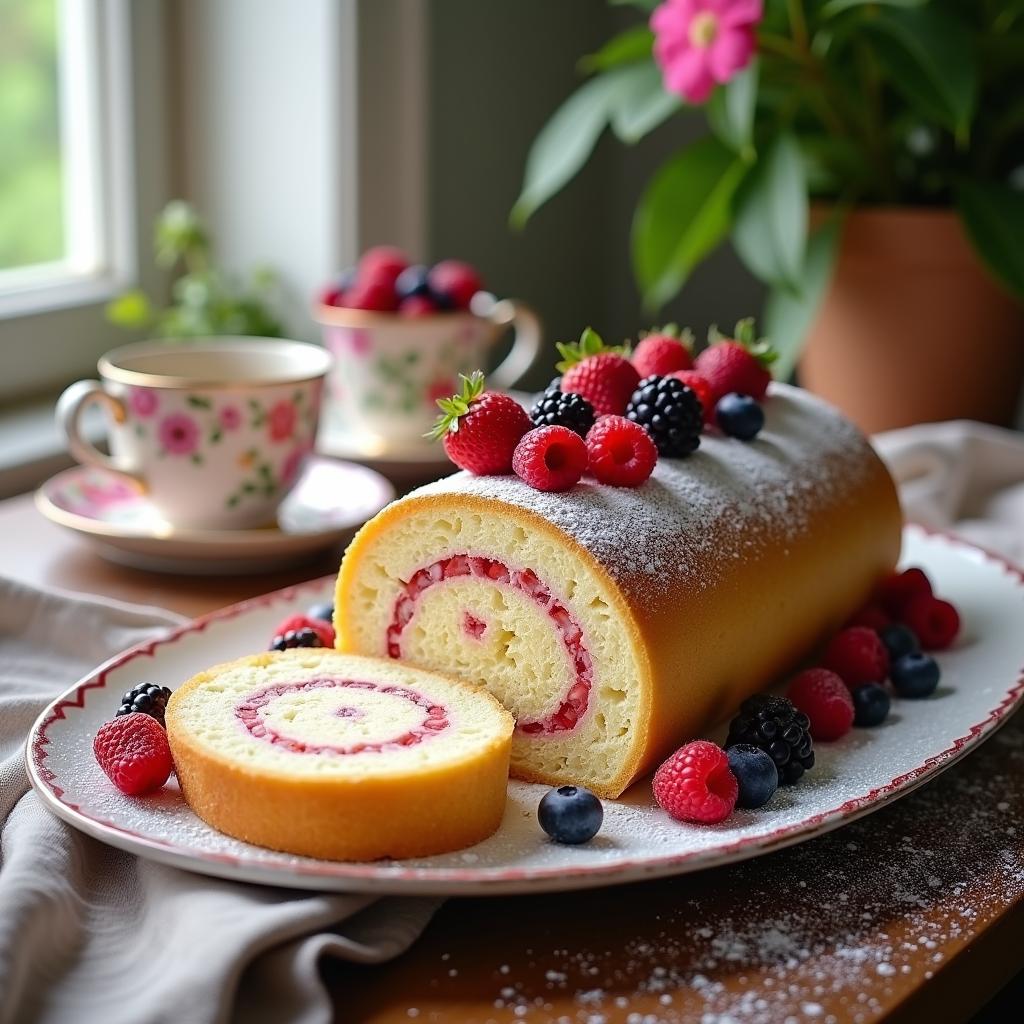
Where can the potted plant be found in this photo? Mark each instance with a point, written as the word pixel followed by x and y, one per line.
pixel 866 160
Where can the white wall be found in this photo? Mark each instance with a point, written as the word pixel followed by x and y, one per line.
pixel 266 135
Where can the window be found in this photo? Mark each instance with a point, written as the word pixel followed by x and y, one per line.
pixel 64 116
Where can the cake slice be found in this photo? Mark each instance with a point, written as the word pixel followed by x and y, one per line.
pixel 616 624
pixel 341 757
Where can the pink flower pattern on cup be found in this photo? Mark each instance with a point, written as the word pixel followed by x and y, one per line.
pixel 229 417
pixel 703 43
pixel 179 434
pixel 281 420
pixel 292 465
pixel 143 402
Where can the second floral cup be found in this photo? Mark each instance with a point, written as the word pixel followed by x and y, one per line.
pixel 214 431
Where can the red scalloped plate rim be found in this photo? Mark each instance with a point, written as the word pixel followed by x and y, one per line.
pixel 45 783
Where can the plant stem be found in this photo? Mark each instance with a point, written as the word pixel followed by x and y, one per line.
pixel 798 23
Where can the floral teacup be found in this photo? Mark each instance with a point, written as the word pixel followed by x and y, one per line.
pixel 389 370
pixel 214 430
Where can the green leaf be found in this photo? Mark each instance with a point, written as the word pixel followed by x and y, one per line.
pixel 198 402
pixel 788 315
pixel 563 145
pixel 456 406
pixel 590 344
pixel 994 218
pixel 627 47
pixel 770 232
pixel 834 7
pixel 131 309
pixel 639 103
pixel 927 54
pixel 643 5
pixel 683 214
pixel 731 111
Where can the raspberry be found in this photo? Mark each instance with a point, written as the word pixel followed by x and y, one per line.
pixel 456 281
pixel 695 784
pixel 896 592
pixel 622 453
pixel 824 698
pixel 701 388
pixel 874 616
pixel 297 623
pixel 134 753
pixel 737 364
pixel 550 458
pixel 602 375
pixel 857 655
pixel 661 353
pixel 936 622
pixel 382 263
pixel 480 428
pixel 374 295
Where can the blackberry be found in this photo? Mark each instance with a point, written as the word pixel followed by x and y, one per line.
pixel 670 412
pixel 148 698
pixel 782 732
pixel 296 638
pixel 557 408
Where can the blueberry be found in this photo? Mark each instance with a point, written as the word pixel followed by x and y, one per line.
pixel 870 705
pixel 756 773
pixel 899 640
pixel 914 675
pixel 412 281
pixel 346 279
pixel 323 611
pixel 570 814
pixel 739 416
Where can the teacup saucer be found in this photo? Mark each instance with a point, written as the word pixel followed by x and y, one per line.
pixel 328 503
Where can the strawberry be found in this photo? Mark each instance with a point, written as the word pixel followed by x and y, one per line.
pixel 662 351
pixel 700 387
pixel 737 364
pixel 603 375
pixel 480 428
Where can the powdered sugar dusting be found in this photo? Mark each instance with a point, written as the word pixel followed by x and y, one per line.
pixel 698 513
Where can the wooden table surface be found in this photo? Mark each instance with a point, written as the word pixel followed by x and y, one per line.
pixel 915 913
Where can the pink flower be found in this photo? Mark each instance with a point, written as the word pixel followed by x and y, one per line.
pixel 292 464
pixel 701 43
pixel 282 420
pixel 179 434
pixel 230 418
pixel 143 401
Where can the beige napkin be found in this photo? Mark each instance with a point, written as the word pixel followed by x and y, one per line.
pixel 91 934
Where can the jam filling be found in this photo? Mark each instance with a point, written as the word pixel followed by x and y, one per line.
pixel 574 704
pixel 248 713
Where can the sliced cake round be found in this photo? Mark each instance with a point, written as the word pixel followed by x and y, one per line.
pixel 617 623
pixel 341 757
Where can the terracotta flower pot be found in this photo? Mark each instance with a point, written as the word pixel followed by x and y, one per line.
pixel 913 328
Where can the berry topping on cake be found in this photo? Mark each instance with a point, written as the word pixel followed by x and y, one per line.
pixel 550 458
pixel 871 705
pixel 756 774
pixel 454 280
pixel 603 375
pixel 774 724
pixel 696 784
pixel 700 387
pixel 621 452
pixel 739 416
pixel 896 592
pixel 147 698
pixel 555 408
pixel 737 364
pixel 825 699
pixel 857 655
pixel 898 640
pixel 670 412
pixel 480 428
pixel 915 675
pixel 319 624
pixel 570 815
pixel 662 351
pixel 134 753
pixel 936 622
pixel 322 612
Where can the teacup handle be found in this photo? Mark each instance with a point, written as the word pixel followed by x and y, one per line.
pixel 525 346
pixel 70 406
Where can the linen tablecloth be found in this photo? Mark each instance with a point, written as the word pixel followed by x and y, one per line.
pixel 91 934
